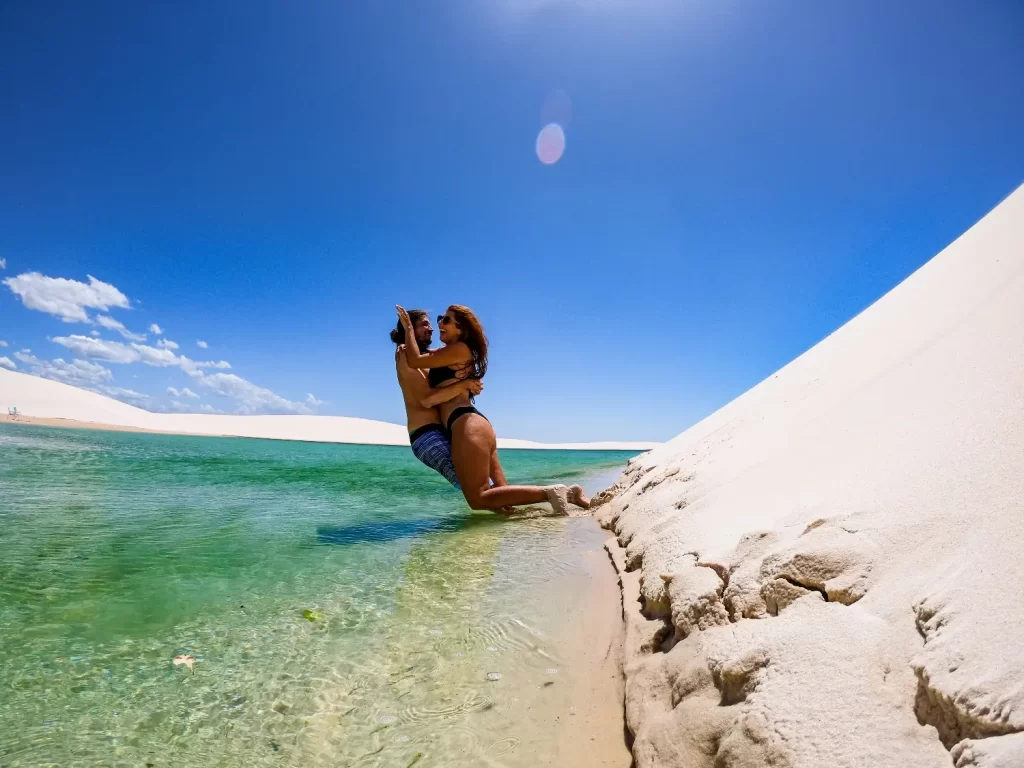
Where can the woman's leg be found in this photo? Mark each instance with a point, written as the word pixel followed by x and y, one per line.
pixel 473 444
pixel 498 478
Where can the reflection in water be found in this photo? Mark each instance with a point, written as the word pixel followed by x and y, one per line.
pixel 390 530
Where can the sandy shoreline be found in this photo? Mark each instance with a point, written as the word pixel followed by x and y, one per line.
pixel 36 421
pixel 592 736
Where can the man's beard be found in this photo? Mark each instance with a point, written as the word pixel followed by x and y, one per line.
pixel 423 345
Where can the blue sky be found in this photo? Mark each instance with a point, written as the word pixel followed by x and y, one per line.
pixel 739 179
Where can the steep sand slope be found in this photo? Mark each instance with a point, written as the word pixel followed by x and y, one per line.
pixel 47 399
pixel 829 571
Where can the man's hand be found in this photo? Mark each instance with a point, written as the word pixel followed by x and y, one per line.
pixel 475 386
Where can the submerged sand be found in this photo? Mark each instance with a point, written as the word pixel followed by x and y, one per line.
pixel 828 571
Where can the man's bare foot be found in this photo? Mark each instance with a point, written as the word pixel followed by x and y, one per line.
pixel 577 497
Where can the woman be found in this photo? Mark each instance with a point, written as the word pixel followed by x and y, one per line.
pixel 474 444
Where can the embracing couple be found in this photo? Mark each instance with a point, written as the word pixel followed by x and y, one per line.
pixel 447 433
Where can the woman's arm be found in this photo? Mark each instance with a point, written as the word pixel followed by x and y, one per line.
pixel 443 394
pixel 456 354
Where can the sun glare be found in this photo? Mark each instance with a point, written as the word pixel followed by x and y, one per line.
pixel 550 143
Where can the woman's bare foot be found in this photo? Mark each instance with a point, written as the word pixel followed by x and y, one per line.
pixel 558 497
pixel 577 497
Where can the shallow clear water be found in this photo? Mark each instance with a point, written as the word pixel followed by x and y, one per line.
pixel 435 631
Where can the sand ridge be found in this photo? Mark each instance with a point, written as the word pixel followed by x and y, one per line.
pixel 827 571
pixel 53 403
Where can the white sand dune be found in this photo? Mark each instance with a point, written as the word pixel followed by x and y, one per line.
pixel 829 571
pixel 45 399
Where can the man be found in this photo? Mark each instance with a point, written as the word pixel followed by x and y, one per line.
pixel 427 435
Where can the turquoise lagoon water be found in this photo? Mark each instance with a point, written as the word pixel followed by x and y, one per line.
pixel 434 631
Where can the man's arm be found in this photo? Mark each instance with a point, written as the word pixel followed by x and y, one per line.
pixel 443 394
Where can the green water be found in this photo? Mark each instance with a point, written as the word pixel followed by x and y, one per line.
pixel 121 551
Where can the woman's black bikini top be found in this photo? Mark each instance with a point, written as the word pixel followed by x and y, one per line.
pixel 437 375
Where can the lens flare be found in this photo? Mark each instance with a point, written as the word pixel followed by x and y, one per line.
pixel 550 143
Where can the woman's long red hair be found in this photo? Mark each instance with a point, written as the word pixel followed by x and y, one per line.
pixel 471 333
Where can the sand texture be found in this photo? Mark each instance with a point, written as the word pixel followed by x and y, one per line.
pixel 53 403
pixel 829 571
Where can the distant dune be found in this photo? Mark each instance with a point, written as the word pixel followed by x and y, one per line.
pixel 829 571
pixel 53 403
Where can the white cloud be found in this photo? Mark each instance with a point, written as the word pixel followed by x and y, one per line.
pixel 177 406
pixel 94 333
pixel 79 373
pixel 313 401
pixel 185 392
pixel 118 352
pixel 173 392
pixel 3 263
pixel 67 299
pixel 250 397
pixel 202 344
pixel 184 408
pixel 125 395
pixel 158 358
pixel 3 343
pixel 6 362
pixel 98 349
pixel 166 344
pixel 116 325
pixel 156 329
